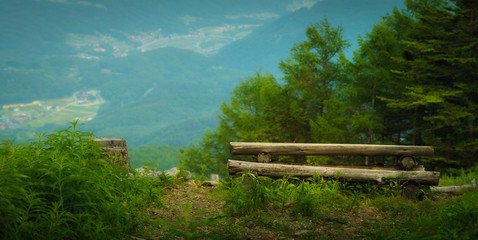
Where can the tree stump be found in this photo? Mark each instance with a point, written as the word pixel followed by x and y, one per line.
pixel 115 147
pixel 412 191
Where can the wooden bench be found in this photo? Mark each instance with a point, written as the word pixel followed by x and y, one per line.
pixel 407 171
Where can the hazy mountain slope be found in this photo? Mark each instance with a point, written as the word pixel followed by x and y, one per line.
pixel 269 44
pixel 151 92
pixel 25 78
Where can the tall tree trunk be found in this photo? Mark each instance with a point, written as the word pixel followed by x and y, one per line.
pixel 415 133
pixel 370 139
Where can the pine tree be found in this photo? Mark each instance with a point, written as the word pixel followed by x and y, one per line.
pixel 311 73
pixel 439 66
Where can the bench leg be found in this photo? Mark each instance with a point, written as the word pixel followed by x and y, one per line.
pixel 412 191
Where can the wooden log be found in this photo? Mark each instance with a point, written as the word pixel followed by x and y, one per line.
pixel 371 167
pixel 254 148
pixel 358 175
pixel 407 162
pixel 455 190
pixel 116 149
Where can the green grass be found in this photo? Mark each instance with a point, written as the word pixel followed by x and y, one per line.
pixel 459 177
pixel 451 219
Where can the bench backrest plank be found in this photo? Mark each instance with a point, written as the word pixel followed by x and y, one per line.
pixel 255 148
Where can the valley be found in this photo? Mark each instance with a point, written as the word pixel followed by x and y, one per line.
pixel 82 106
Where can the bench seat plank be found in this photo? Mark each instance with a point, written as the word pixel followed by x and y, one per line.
pixel 275 170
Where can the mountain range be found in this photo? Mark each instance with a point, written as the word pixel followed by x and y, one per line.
pixel 162 67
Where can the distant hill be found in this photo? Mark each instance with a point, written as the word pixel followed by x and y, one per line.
pixel 160 157
pixel 270 43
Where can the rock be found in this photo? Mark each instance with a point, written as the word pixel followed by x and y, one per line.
pixel 214 177
pixel 213 183
pixel 148 172
pixel 175 172
pixel 152 172
pixel 172 172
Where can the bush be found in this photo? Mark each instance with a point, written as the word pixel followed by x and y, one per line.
pixel 63 187
pixel 245 194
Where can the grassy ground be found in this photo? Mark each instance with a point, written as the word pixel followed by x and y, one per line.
pixel 196 210
pixel 193 211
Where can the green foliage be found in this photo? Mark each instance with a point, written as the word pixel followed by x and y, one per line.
pixel 63 187
pixel 311 74
pixel 390 188
pixel 254 201
pixel 438 76
pixel 410 82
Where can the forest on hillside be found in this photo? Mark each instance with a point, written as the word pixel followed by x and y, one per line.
pixel 412 81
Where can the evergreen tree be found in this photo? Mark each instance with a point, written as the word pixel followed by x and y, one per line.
pixel 311 74
pixel 370 78
pixel 439 67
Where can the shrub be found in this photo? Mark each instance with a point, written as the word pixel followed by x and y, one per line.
pixel 245 194
pixel 62 187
